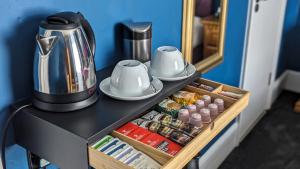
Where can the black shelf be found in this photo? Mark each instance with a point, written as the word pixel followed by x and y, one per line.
pixel 44 132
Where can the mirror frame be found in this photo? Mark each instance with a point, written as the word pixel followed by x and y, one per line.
pixel 188 13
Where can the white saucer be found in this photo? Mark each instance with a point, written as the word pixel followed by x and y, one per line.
pixel 191 69
pixel 156 83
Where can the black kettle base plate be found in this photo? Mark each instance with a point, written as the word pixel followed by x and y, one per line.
pixel 66 107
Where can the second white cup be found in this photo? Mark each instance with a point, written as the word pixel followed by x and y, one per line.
pixel 167 62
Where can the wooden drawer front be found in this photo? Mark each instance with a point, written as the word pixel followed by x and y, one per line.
pixel 211 31
pixel 233 107
pixel 212 36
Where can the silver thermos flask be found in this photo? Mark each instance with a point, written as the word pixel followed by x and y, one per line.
pixel 137 40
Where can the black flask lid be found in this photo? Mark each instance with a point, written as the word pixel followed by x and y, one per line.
pixel 137 30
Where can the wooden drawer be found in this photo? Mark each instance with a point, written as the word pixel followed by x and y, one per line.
pixel 211 31
pixel 212 36
pixel 233 107
pixel 209 51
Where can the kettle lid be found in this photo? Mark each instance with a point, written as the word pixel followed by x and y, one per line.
pixel 62 21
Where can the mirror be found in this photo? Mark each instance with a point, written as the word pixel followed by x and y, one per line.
pixel 203 32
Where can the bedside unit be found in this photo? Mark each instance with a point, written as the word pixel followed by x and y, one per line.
pixel 211 36
pixel 66 139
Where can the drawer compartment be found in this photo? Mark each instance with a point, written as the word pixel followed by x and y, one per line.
pixel 233 107
pixel 99 160
pixel 216 86
pixel 235 90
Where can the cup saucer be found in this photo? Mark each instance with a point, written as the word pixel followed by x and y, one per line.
pixel 190 70
pixel 156 84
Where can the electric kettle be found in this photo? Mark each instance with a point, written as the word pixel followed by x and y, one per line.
pixel 64 70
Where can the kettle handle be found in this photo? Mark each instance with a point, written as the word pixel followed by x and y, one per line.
pixel 89 33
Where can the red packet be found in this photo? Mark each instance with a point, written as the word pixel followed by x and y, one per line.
pixel 127 128
pixel 153 139
pixel 139 133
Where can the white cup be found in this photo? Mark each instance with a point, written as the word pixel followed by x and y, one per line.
pixel 129 78
pixel 167 62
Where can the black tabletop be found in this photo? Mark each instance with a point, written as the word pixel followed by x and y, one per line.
pixel 106 114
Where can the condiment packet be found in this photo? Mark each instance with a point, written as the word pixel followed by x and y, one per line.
pixel 128 155
pixel 135 159
pixel 153 139
pixel 170 107
pixel 159 142
pixel 185 98
pixel 146 163
pixel 139 133
pixel 169 147
pixel 180 138
pixel 102 142
pixel 109 145
pixel 117 149
pixel 151 115
pixel 127 128
pixel 124 153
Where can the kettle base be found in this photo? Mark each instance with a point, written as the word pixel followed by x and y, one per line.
pixel 66 107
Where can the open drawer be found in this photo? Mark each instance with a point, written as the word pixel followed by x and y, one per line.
pixel 233 107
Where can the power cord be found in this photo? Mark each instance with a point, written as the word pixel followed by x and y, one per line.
pixel 4 132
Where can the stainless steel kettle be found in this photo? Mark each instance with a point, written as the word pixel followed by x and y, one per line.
pixel 64 69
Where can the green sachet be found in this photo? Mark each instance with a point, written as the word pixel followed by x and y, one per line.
pixel 102 142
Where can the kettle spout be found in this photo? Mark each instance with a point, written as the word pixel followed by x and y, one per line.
pixel 45 43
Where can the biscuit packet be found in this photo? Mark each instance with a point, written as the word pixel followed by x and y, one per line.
pixel 185 98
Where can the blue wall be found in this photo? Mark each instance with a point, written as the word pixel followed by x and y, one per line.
pixel 19 23
pixel 230 70
pixel 289 55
